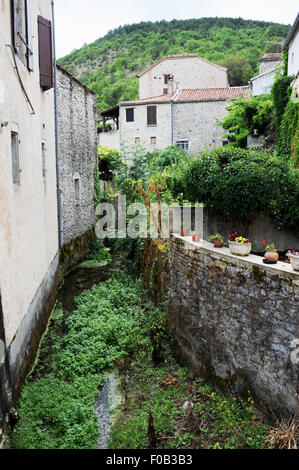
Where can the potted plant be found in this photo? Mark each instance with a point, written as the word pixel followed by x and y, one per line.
pixel 217 239
pixel 239 245
pixel 293 256
pixel 185 232
pixel 271 254
pixel 195 236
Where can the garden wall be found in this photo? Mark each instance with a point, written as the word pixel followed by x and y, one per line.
pixel 235 321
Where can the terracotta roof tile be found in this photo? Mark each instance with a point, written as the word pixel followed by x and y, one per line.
pixel 213 94
pixel 271 56
pixel 153 99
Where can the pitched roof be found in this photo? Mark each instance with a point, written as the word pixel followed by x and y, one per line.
pixel 180 56
pixel 271 56
pixel 264 73
pixel 213 94
pixel 292 32
pixel 63 70
pixel 152 100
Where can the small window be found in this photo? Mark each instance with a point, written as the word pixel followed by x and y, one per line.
pixel 224 142
pixel 137 140
pixel 15 158
pixel 183 144
pixel 152 115
pixel 44 159
pixel 22 31
pixel 130 115
pixel 153 140
pixel 77 190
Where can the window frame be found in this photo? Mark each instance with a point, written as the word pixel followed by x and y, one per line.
pixel 183 144
pixel 152 117
pixel 132 110
pixel 15 158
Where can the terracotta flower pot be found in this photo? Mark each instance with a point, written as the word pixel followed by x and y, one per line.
pixel 185 232
pixel 195 237
pixel 217 243
pixel 272 256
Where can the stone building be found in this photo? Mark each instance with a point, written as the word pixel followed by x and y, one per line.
pixel 28 199
pixel 181 99
pixel 77 143
pixel 263 82
pixel 179 72
pixel 270 61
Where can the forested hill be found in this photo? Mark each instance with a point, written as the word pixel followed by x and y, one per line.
pixel 110 64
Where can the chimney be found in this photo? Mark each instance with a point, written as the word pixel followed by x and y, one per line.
pixel 170 86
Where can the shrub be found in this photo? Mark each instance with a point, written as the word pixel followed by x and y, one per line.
pixel 243 182
pixel 245 115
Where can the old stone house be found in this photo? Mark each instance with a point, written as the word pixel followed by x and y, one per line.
pixel 48 154
pixel 180 100
pixel 77 144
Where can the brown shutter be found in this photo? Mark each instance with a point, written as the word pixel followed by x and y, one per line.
pixel 151 115
pixel 45 53
pixel 29 36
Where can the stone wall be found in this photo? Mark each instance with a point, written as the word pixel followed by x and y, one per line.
pixel 197 123
pixel 77 154
pixel 235 321
pixel 129 131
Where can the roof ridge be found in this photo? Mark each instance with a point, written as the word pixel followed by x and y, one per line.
pixel 179 56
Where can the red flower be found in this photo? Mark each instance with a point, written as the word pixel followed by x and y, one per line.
pixel 264 242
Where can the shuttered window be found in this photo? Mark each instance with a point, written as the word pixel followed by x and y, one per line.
pixel 152 115
pixel 45 53
pixel 22 31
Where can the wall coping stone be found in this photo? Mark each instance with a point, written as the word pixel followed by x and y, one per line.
pixel 283 270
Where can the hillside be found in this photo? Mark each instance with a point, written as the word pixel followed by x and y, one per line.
pixel 110 64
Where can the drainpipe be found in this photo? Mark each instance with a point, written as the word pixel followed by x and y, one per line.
pixel 59 192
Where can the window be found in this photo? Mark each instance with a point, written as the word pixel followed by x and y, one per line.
pixel 44 159
pixel 77 190
pixel 152 115
pixel 137 140
pixel 15 158
pixel 45 53
pixel 153 140
pixel 22 31
pixel 184 144
pixel 130 115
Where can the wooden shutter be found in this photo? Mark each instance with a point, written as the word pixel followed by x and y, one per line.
pixel 45 53
pixel 29 36
pixel 151 115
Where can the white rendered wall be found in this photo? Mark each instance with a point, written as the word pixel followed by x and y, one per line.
pixel 28 212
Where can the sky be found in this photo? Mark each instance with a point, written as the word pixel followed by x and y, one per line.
pixel 81 22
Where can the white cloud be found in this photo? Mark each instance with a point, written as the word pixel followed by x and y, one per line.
pixel 79 22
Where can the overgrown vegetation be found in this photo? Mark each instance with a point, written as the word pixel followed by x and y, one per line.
pixel 186 412
pixel 57 405
pixel 247 115
pixel 244 182
pixel 110 65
